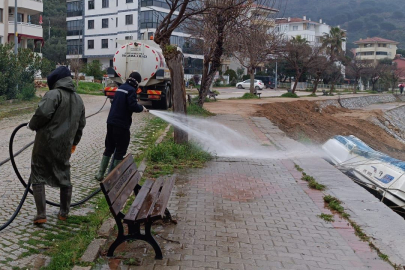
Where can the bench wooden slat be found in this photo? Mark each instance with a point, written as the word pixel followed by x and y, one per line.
pixel 125 193
pixel 139 199
pixel 121 184
pixel 161 204
pixel 111 179
pixel 150 200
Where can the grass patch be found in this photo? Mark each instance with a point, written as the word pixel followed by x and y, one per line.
pixel 148 136
pixel 312 183
pixel 298 168
pixel 312 95
pixel 334 204
pixel 195 110
pixel 326 217
pixel 195 100
pixel 166 157
pixel 315 185
pixel 18 107
pixel 66 248
pixel 90 88
pixel 289 95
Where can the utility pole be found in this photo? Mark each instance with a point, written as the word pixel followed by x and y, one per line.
pixel 15 28
pixel 276 77
pixel 49 30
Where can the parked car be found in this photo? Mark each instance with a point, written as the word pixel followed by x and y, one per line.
pixel 267 80
pixel 259 85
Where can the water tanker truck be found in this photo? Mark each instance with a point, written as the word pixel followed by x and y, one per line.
pixel 145 57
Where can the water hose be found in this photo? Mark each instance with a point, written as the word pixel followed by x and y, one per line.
pixel 28 185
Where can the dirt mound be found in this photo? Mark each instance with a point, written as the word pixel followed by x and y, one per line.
pixel 306 121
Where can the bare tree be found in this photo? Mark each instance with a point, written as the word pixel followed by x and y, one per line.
pixel 357 68
pixel 76 65
pixel 253 38
pixel 318 68
pixel 179 11
pixel 214 27
pixel 299 56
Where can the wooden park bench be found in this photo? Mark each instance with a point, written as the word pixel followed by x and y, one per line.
pixel 212 94
pixel 257 93
pixel 150 203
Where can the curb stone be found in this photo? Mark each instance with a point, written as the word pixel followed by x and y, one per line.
pixel 92 250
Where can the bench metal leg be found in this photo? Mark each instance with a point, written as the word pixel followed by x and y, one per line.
pixel 152 241
pixel 120 238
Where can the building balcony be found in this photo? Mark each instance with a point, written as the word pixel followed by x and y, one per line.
pixel 30 7
pixel 27 29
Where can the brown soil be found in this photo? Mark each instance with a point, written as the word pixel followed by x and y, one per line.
pixel 305 120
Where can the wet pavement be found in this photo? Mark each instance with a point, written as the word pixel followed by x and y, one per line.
pixel 239 213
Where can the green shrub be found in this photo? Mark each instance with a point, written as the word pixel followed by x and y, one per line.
pixel 289 95
pixel 248 96
pixel 194 109
pixel 232 74
pixel 27 91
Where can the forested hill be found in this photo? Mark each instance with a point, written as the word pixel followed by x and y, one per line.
pixel 361 18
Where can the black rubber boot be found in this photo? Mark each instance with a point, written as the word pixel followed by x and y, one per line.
pixel 116 162
pixel 65 199
pixel 40 202
pixel 103 167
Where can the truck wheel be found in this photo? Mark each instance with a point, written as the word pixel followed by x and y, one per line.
pixel 166 102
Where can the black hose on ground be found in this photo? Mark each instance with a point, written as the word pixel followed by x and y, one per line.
pixel 28 185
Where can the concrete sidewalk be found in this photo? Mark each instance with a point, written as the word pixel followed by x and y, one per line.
pixel 250 214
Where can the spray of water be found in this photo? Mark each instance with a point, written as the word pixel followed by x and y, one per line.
pixel 223 141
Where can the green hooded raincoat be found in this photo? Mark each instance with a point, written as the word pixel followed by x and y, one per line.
pixel 59 121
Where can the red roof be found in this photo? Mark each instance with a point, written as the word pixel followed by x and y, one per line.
pixel 293 20
pixel 375 40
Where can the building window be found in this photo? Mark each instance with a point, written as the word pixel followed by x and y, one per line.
pixel 129 19
pixel 151 19
pixel 116 22
pixel 111 63
pixel 295 28
pixel 128 37
pixel 104 23
pixel 91 4
pixel 90 44
pixel 104 44
pixel 74 8
pixel 130 1
pixel 74 46
pixel 90 24
pixel 20 17
pixel 105 3
pixel 381 53
pixel 74 28
pixel 156 3
pixel 1 15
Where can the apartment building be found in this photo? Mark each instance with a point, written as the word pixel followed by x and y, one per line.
pixel 25 29
pixel 95 26
pixel 312 31
pixel 376 48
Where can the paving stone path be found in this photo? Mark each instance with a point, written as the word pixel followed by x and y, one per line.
pixel 251 214
pixel 84 162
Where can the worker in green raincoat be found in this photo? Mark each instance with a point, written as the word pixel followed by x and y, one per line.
pixel 58 121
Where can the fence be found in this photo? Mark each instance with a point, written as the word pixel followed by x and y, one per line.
pixel 306 85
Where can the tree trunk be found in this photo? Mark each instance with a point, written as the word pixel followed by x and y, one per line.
pixel 298 77
pixel 316 85
pixel 332 88
pixel 175 64
pixel 252 80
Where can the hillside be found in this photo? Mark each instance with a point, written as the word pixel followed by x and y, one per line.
pixel 361 18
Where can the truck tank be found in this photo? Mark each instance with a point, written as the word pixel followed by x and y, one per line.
pixel 146 58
